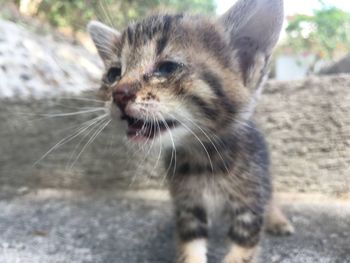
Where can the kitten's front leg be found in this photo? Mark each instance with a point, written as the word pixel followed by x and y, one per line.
pixel 244 235
pixel 192 231
pixel 194 251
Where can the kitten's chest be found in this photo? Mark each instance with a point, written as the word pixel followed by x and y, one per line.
pixel 213 200
pixel 204 160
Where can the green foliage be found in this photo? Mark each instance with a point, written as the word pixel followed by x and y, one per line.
pixel 324 34
pixel 77 13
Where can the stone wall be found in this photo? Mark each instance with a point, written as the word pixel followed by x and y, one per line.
pixel 307 126
pixel 306 123
pixel 26 135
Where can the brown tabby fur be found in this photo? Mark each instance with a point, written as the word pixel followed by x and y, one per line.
pixel 214 154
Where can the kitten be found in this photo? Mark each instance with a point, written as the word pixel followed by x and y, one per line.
pixel 190 84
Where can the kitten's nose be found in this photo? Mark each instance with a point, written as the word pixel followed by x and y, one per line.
pixel 123 94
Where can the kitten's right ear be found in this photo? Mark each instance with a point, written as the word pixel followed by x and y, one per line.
pixel 253 27
pixel 106 39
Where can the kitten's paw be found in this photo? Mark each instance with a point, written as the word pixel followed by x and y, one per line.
pixel 193 252
pixel 238 254
pixel 277 223
pixel 284 228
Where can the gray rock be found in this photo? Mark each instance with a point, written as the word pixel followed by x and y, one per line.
pixel 38 66
pixel 341 66
pixel 112 227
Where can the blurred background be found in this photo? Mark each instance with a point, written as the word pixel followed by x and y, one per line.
pixel 316 31
pixel 63 180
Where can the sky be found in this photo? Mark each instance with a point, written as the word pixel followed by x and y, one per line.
pixel 292 6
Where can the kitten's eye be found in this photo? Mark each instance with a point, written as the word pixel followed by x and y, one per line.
pixel 166 68
pixel 113 74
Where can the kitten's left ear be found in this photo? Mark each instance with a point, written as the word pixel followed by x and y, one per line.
pixel 106 39
pixel 253 27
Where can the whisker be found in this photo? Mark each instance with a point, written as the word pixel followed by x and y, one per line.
pixel 82 99
pixel 70 137
pixel 154 138
pixel 107 14
pixel 92 138
pixel 53 115
pixel 144 155
pixel 96 125
pixel 173 151
pixel 199 140
pixel 160 144
pixel 72 113
pixel 212 143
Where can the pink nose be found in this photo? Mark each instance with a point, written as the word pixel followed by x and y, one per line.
pixel 123 94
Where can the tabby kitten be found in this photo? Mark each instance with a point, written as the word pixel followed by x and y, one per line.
pixel 190 83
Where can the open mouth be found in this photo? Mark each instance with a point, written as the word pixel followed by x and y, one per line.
pixel 147 129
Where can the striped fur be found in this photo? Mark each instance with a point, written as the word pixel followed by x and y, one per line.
pixel 196 78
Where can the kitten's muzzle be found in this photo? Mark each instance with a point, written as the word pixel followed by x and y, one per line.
pixel 138 127
pixel 123 94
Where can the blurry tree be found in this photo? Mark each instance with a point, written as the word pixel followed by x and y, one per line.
pixel 76 13
pixel 325 34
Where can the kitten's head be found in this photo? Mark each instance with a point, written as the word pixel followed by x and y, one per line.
pixel 187 74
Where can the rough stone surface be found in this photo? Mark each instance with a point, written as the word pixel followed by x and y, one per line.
pixel 307 125
pixel 106 227
pixel 25 137
pixel 40 66
pixel 341 66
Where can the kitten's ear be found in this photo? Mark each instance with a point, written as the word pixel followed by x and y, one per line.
pixel 253 27
pixel 106 39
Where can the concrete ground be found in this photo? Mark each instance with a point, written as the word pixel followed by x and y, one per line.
pixel 59 226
